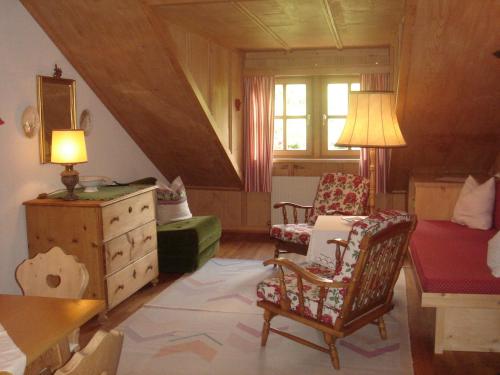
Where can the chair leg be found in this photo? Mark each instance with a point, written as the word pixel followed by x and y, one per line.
pixel 381 328
pixel 268 315
pixel 276 251
pixel 334 355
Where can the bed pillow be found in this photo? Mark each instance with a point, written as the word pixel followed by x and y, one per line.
pixel 493 257
pixel 172 202
pixel 474 207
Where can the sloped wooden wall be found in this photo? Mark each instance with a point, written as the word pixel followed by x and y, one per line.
pixel 449 89
pixel 127 56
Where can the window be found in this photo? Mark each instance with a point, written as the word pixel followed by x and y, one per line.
pixel 292 135
pixel 310 114
pixel 335 109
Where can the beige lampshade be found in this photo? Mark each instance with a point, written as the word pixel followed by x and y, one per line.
pixel 371 121
pixel 68 147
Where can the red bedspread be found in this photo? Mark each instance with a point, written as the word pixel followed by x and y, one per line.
pixel 451 258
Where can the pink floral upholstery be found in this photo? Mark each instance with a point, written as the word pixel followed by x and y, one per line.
pixel 297 233
pixel 269 289
pixel 342 192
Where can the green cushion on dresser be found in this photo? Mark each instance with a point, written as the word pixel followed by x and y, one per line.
pixel 185 245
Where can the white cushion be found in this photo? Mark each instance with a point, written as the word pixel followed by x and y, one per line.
pixel 172 202
pixel 474 207
pixel 493 257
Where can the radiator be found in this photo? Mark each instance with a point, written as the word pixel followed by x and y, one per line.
pixel 301 190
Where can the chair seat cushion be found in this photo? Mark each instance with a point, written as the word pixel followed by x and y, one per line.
pixel 269 290
pixel 296 233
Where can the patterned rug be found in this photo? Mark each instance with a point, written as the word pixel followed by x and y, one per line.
pixel 207 323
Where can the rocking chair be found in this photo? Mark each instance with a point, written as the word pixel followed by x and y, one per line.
pixel 342 299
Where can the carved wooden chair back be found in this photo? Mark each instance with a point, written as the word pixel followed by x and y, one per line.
pixel 381 255
pixel 100 357
pixel 53 274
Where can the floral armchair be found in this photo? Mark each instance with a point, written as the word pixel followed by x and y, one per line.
pixel 339 300
pixel 338 193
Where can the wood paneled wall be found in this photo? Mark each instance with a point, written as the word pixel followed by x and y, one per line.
pixel 449 90
pixel 251 212
pixel 217 74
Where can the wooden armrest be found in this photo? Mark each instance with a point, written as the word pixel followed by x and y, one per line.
pixel 283 204
pixel 338 241
pixel 305 274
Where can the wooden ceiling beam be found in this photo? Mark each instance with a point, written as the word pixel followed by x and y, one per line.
pixel 327 12
pixel 255 19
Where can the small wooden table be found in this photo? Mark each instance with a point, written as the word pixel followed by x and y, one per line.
pixel 36 324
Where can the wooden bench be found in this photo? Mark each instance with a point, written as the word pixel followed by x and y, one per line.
pixel 468 303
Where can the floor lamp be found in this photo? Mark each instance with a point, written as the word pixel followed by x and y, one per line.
pixel 371 122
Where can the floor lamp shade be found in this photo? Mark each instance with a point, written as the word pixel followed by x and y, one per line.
pixel 371 122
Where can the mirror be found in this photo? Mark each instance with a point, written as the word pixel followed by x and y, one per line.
pixel 57 109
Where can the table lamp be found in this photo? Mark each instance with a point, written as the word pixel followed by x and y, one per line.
pixel 68 148
pixel 371 122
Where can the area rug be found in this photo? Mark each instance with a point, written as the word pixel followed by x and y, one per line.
pixel 207 323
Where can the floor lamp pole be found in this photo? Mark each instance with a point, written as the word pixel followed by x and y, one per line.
pixel 373 188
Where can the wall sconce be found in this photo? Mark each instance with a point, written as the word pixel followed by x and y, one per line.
pixel 86 122
pixel 30 121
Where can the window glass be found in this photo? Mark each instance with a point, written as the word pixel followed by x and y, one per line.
pixel 335 127
pixel 355 86
pixel 278 134
pixel 296 134
pixel 296 100
pixel 338 97
pixel 278 100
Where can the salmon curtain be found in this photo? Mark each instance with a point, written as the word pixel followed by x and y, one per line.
pixel 258 113
pixel 376 82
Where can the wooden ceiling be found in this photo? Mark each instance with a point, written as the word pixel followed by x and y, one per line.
pixel 287 24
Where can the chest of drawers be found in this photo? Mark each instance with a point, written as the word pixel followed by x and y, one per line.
pixel 115 239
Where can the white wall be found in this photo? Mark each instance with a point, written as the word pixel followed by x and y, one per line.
pixel 25 51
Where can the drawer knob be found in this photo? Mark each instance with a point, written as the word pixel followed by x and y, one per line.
pixel 148 238
pixel 145 207
pixel 116 218
pixel 134 275
pixel 150 267
pixel 119 287
pixel 117 254
pixel 130 210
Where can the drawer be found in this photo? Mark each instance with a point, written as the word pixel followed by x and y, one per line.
pixel 126 215
pixel 123 283
pixel 130 246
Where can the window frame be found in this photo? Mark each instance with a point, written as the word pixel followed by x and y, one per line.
pixel 346 154
pixel 309 141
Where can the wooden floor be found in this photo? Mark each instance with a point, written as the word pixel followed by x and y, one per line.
pixel 421 320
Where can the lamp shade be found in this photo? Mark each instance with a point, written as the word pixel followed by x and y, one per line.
pixel 68 147
pixel 371 121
